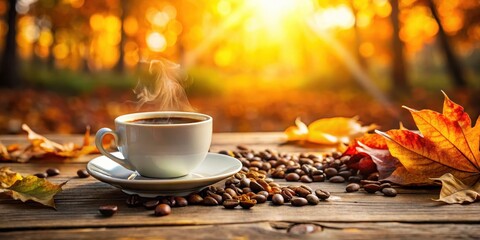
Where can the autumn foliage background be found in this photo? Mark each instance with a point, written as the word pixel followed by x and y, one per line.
pixel 254 65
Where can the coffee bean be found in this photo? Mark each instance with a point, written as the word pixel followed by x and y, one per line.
pixel 230 203
pixel 217 197
pixel 345 174
pixel 194 199
pixel 312 199
pixel 385 185
pixel 231 192
pixel 247 204
pixel 242 147
pixel 151 204
pixel 170 201
pixel 133 200
pixel 162 210
pixel 226 196
pixel 40 175
pixel 287 194
pixel 246 190
pixel 337 179
pixel 233 181
pixel 298 201
pixel 371 188
pixel 322 194
pixel 292 177
pixel 307 187
pixel 180 202
pixel 305 179
pixel 389 192
pixel 302 192
pixel 330 172
pixel 108 210
pixel 352 187
pixel 354 179
pixel 277 199
pixel 82 173
pixel 244 182
pixel 365 182
pixel 209 201
pixel 52 172
pixel 264 193
pixel 318 178
pixel 256 187
pixel 260 198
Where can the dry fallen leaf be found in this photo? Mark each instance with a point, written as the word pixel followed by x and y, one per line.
pixel 328 131
pixel 446 144
pixel 455 191
pixel 28 188
pixel 41 147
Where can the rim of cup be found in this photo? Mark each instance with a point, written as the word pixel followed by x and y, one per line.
pixel 128 119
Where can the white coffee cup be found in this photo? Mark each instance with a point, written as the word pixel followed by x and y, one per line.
pixel 169 149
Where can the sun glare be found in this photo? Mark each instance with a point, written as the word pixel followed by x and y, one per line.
pixel 334 17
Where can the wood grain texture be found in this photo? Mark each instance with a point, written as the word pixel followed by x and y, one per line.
pixel 412 214
pixel 261 230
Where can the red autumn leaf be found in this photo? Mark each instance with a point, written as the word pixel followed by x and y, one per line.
pixel 447 143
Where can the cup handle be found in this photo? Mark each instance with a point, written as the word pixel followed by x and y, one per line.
pixel 98 142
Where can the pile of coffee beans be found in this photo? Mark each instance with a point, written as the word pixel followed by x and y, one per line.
pixel 299 167
pixel 51 172
pixel 255 182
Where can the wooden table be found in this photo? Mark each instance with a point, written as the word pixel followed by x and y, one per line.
pixel 412 214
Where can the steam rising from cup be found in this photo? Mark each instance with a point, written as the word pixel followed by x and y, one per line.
pixel 161 82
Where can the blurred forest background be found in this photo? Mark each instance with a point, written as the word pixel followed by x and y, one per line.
pixel 254 65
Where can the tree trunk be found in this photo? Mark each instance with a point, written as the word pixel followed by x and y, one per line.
pixel 119 67
pixel 399 75
pixel 451 60
pixel 9 66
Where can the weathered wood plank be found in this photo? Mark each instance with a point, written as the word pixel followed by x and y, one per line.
pixel 77 207
pixel 412 214
pixel 261 230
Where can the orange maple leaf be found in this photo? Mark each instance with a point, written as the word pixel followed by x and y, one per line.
pixel 447 143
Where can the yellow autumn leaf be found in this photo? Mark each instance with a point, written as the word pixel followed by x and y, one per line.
pixel 28 188
pixel 328 131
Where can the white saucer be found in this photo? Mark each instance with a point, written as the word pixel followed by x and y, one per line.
pixel 214 168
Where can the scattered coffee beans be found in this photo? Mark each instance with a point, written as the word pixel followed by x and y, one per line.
pixel 255 182
pixel 389 192
pixel 298 201
pixel 337 179
pixel 152 204
pixel 52 172
pixel 230 203
pixel 352 187
pixel 322 194
pixel 108 210
pixel 248 203
pixel 181 202
pixel 312 199
pixel 371 187
pixel 133 201
pixel 40 175
pixel 292 177
pixel 162 210
pixel 277 199
pixel 209 201
pixel 82 173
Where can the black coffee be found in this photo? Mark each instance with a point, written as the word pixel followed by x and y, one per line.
pixel 165 120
